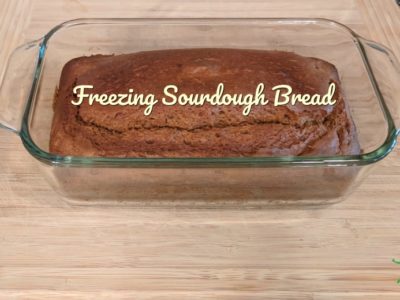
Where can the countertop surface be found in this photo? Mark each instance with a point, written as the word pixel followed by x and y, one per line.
pixel 52 250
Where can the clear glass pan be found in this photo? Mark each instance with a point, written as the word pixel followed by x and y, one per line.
pixel 369 74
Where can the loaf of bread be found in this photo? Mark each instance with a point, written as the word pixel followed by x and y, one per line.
pixel 200 131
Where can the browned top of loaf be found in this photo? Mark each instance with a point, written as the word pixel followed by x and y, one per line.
pixel 206 131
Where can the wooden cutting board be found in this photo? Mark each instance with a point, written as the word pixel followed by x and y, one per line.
pixel 50 250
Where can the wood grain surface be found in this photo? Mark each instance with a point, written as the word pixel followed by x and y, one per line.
pixel 51 250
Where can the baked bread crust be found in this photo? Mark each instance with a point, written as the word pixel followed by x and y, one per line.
pixel 205 131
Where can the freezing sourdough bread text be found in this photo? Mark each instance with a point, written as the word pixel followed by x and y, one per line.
pixel 283 96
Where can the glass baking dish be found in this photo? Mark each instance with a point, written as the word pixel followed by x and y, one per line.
pixel 368 71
